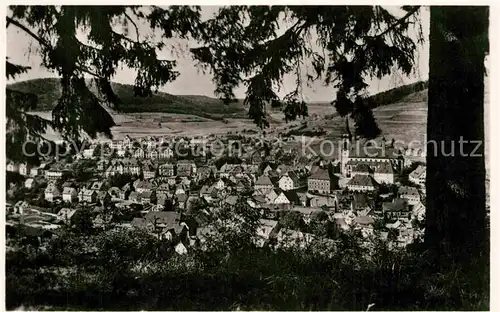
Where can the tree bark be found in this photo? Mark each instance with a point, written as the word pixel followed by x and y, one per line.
pixel 456 205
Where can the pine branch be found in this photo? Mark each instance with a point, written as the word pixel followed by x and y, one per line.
pixel 396 23
pixel 47 45
pixel 28 31
pixel 135 25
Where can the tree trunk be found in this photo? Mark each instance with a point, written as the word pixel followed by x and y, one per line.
pixel 348 129
pixel 456 208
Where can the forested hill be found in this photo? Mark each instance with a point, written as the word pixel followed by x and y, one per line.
pixel 48 91
pixel 415 92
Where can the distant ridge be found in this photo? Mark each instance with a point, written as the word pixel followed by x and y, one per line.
pixel 48 91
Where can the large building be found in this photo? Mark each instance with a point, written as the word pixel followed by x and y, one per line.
pixel 320 182
pixel 356 157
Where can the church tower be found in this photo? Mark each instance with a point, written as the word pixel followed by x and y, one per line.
pixel 344 153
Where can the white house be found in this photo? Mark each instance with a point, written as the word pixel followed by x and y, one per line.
pixel 127 142
pixel 286 183
pixel 34 172
pixel 166 152
pixel 384 173
pixel 29 183
pixel 361 183
pixel 52 193
pixel 24 169
pixel 219 185
pixel 69 194
pixel 281 199
pixel 139 153
pixel 410 194
pixel 13 167
pixel 418 176
pixel 88 153
pixel 263 183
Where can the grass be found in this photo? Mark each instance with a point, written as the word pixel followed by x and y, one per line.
pixel 244 278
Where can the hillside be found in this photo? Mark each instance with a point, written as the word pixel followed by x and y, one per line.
pixel 48 91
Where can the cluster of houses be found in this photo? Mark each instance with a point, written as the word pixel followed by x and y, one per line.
pixel 165 186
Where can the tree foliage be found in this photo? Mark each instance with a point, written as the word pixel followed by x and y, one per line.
pixel 248 45
pixel 251 45
pixel 88 41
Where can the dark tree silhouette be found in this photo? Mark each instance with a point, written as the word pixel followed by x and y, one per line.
pixel 456 207
pixel 112 39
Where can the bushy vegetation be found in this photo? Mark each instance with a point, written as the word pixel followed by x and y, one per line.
pixel 132 270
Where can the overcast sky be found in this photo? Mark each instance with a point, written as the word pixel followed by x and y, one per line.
pixel 191 81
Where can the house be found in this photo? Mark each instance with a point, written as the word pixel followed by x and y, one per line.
pixel 52 193
pixel 24 169
pixel 268 169
pixel 65 214
pixel 281 199
pixel 293 197
pixel 270 195
pixel 166 170
pixel 103 197
pixel 152 154
pixel 318 201
pixel 89 196
pixel 286 182
pixel 127 142
pixel 362 183
pixel 12 167
pixel 102 164
pixel 69 194
pixel 139 153
pixel 134 197
pixel 185 168
pixel 231 200
pixel 29 183
pixel 166 153
pixel 116 144
pixel 20 207
pixel 384 173
pixel 289 238
pixel 125 191
pixel 97 186
pixel 35 172
pixel 143 186
pixel 361 204
pixel 180 248
pixel 410 194
pixel 361 169
pixel 365 223
pixel 219 185
pixel 265 231
pixel 180 189
pixel 263 184
pixel 418 176
pixel 418 211
pixel 88 153
pixel 56 172
pixel 146 197
pixel 114 192
pixel 166 224
pixel 149 172
pixel 320 182
pixel 132 166
pixel 397 209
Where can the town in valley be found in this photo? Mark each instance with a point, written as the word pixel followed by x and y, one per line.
pixel 172 186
